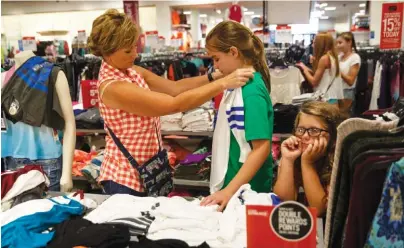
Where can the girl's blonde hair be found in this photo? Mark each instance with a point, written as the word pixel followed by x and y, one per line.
pixel 331 117
pixel 229 34
pixel 349 37
pixel 112 31
pixel 325 45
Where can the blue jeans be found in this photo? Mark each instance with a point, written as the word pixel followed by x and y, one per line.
pixel 111 188
pixel 52 168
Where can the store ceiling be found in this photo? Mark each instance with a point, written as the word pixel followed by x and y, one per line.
pixel 344 9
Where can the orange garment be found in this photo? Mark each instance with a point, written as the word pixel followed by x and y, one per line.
pixel 80 160
pixel 175 18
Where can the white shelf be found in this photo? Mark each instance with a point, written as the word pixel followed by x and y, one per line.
pixel 183 133
pixel 184 182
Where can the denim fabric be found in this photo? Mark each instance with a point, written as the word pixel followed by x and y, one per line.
pixel 52 168
pixel 111 188
pixel 349 94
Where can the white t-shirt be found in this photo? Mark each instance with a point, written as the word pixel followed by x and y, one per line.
pixel 285 84
pixel 345 65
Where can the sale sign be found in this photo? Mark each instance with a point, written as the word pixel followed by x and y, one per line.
pixel 392 26
pixel 290 224
pixel 131 8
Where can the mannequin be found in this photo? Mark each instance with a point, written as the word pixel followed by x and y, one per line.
pixel 69 140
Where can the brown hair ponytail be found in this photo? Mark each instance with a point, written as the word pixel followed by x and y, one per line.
pixel 260 62
pixel 349 37
pixel 229 34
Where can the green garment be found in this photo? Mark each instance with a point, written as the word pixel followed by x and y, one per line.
pixel 259 122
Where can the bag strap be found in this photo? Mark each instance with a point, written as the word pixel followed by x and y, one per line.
pixel 122 148
pixel 124 151
pixel 329 86
pixel 158 137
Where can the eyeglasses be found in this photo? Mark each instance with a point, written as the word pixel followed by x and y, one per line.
pixel 313 132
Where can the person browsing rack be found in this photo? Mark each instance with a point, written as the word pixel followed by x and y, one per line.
pixel 131 99
pixel 325 76
pixel 349 63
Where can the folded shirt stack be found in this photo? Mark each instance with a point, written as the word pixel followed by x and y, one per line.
pixel 195 167
pixel 198 120
pixel 172 122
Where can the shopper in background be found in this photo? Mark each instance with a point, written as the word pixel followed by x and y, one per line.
pixel 247 128
pixel 325 76
pixel 307 156
pixel 132 99
pixel 349 63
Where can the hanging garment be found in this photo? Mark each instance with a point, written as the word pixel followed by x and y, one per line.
pixel 353 145
pixel 385 99
pixel 285 84
pixel 25 224
pixel 388 223
pixel 395 82
pixel 344 130
pixel 235 13
pixel 369 177
pixel 376 87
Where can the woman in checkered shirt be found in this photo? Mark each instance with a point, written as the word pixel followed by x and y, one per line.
pixel 131 99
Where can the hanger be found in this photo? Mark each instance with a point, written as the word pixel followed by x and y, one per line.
pixel 278 62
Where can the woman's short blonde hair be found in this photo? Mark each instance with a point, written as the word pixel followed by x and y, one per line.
pixel 112 31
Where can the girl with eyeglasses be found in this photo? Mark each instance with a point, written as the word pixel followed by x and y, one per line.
pixel 307 156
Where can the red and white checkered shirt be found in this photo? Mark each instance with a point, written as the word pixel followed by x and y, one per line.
pixel 137 133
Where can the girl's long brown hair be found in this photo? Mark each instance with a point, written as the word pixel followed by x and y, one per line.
pixel 229 34
pixel 325 45
pixel 331 117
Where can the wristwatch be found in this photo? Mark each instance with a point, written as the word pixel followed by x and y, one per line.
pixel 210 77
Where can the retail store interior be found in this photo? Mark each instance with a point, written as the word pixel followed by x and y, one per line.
pixel 204 123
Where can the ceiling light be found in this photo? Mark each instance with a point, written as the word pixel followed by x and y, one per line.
pixel 323 5
pixel 324 17
pixel 362 11
pixel 362 5
pixel 245 9
pixel 317 13
pixel 187 12
pixel 249 13
pixel 317 5
pixel 255 16
pixel 330 8
pixel 218 11
pixel 203 15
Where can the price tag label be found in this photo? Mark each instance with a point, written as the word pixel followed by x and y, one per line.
pixel 29 44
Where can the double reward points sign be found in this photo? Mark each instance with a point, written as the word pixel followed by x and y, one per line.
pixel 392 26
pixel 290 224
